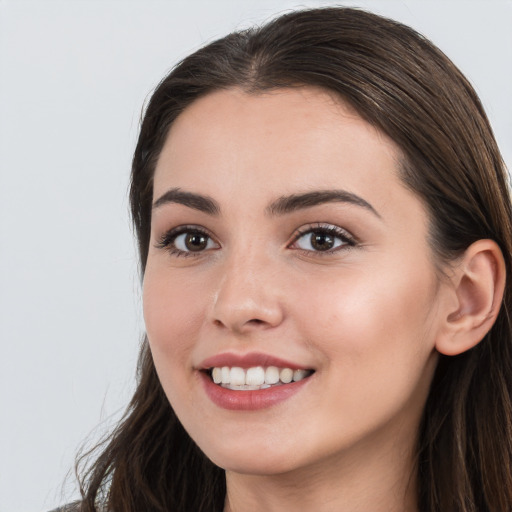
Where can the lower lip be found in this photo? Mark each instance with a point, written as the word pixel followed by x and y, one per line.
pixel 250 400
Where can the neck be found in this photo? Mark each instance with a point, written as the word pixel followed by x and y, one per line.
pixel 380 481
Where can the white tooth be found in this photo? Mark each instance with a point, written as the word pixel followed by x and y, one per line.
pixel 286 375
pixel 255 376
pixel 299 375
pixel 225 375
pixel 237 376
pixel 272 375
pixel 217 375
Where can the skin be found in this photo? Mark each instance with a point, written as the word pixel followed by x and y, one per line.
pixel 366 317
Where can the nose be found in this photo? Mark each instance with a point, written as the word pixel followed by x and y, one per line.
pixel 248 296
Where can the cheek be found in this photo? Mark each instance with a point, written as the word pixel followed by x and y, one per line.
pixel 377 347
pixel 372 323
pixel 173 312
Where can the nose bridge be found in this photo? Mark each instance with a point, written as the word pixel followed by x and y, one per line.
pixel 247 296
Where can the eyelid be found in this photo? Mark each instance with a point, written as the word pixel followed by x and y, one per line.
pixel 166 240
pixel 336 231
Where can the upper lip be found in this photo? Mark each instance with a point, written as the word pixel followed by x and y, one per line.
pixel 247 361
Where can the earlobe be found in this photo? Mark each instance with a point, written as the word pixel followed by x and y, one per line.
pixel 478 283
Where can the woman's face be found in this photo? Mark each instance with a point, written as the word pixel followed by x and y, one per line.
pixel 283 238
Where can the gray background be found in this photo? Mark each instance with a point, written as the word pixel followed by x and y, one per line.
pixel 73 77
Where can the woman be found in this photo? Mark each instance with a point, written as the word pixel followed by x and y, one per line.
pixel 324 229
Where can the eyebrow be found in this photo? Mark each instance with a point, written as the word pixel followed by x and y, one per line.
pixel 281 206
pixel 196 201
pixel 294 202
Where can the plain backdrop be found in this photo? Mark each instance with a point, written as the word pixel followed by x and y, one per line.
pixel 74 75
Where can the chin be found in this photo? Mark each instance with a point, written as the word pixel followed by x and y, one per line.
pixel 255 458
pixel 260 466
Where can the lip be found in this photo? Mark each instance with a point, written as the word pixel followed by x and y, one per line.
pixel 248 361
pixel 250 400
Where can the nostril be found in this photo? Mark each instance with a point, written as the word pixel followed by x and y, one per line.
pixel 253 322
pixel 245 315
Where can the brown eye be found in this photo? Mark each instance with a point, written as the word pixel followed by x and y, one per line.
pixel 195 241
pixel 187 242
pixel 327 238
pixel 321 241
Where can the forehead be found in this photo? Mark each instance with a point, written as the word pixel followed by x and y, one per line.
pixel 234 144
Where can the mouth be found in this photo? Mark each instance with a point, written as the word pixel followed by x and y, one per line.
pixel 252 381
pixel 255 378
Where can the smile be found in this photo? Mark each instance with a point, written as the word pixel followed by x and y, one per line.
pixel 252 381
pixel 255 378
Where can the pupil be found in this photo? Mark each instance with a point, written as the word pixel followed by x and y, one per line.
pixel 196 242
pixel 322 241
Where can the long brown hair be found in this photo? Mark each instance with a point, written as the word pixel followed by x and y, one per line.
pixel 406 87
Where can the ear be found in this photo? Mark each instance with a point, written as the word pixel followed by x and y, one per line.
pixel 477 287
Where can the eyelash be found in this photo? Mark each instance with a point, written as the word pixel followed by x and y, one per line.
pixel 168 239
pixel 348 241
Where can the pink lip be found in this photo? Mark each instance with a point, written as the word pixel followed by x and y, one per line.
pixel 249 400
pixel 247 361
